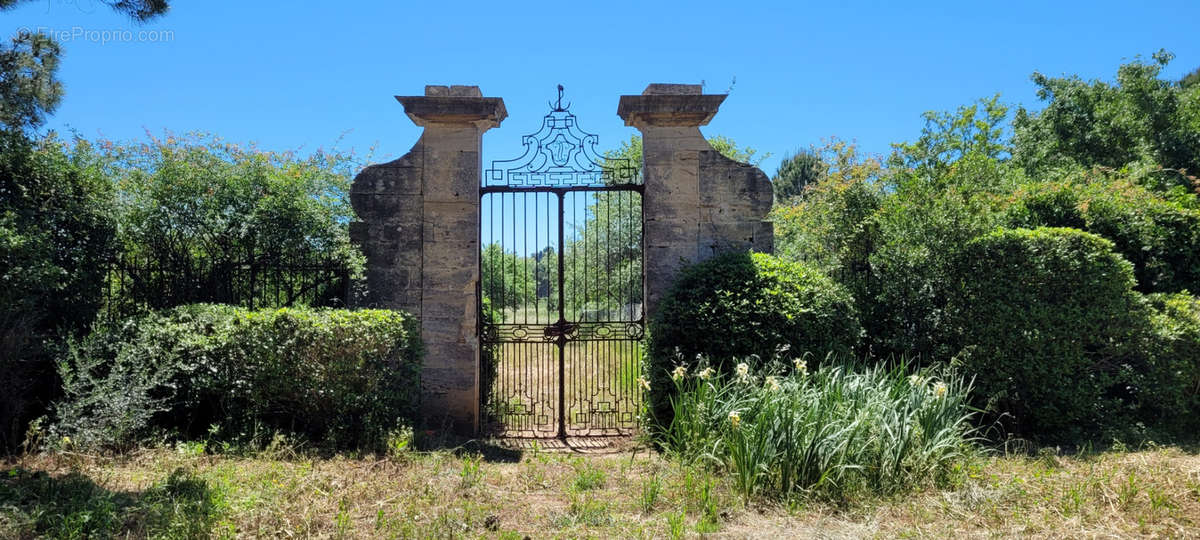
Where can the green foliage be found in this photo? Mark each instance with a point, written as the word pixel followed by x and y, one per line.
pixel 631 152
pixel 1044 320
pixel 198 202
pixel 730 149
pixel 742 304
pixel 138 10
pixel 839 431
pixel 1190 79
pixel 888 235
pixel 55 231
pixel 1140 118
pixel 1171 382
pixel 338 378
pixel 903 295
pixel 829 227
pixel 1160 237
pixel 603 263
pixel 972 133
pixel 507 278
pixel 29 89
pixel 797 172
pixel 73 506
pixel 56 235
pixel 489 361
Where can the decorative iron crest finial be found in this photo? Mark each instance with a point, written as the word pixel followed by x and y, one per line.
pixel 558 107
pixel 560 154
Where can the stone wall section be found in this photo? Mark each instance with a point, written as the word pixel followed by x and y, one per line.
pixel 419 230
pixel 697 202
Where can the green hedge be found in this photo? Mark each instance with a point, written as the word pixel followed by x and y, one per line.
pixel 334 377
pixel 1046 322
pixel 1160 237
pixel 740 305
pixel 1173 377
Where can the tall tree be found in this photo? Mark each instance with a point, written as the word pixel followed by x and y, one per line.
pixel 29 88
pixel 1191 79
pixel 796 172
pixel 972 132
pixel 1141 118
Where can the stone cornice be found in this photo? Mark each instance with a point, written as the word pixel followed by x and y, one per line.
pixel 453 105
pixel 669 105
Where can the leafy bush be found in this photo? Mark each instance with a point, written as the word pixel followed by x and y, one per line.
pixel 1044 321
pixel 56 234
pixel 339 378
pixel 904 295
pixel 742 304
pixel 489 361
pixel 830 433
pixel 1171 385
pixel 1160 238
pixel 1141 117
pixel 196 212
pixel 888 235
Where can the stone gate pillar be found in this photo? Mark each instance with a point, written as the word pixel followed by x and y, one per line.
pixel 419 230
pixel 697 202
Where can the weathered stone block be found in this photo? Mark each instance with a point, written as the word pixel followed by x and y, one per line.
pixel 697 203
pixel 420 234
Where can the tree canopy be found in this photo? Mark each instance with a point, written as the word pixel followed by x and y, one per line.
pixel 1141 118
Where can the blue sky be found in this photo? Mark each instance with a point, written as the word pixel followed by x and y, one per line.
pixel 305 75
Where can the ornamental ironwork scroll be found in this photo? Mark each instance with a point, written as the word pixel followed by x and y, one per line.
pixel 560 154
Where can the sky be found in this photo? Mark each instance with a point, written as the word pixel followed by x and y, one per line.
pixel 307 75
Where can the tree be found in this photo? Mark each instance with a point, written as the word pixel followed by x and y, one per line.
pixel 973 132
pixel 509 280
pixel 138 10
pixel 197 211
pixel 1141 118
pixel 29 90
pixel 1190 79
pixel 56 236
pixel 797 172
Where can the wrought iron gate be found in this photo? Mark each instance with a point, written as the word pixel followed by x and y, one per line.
pixel 562 321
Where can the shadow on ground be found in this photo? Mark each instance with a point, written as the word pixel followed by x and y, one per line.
pixel 35 504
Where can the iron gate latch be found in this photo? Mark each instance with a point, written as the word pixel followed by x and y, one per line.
pixel 561 330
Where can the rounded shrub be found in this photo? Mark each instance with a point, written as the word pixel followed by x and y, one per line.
pixel 740 305
pixel 1160 237
pixel 1044 319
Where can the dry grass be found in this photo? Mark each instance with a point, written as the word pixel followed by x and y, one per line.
pixel 1153 493
pixel 600 387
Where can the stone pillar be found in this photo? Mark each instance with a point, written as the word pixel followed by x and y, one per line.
pixel 420 234
pixel 697 202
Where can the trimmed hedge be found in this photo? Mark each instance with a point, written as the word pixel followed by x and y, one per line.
pixel 1160 237
pixel 744 304
pixel 334 377
pixel 1174 378
pixel 1047 322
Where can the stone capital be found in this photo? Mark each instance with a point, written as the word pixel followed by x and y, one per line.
pixel 454 105
pixel 669 105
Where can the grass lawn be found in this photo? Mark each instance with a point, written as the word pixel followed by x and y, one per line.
pixel 183 492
